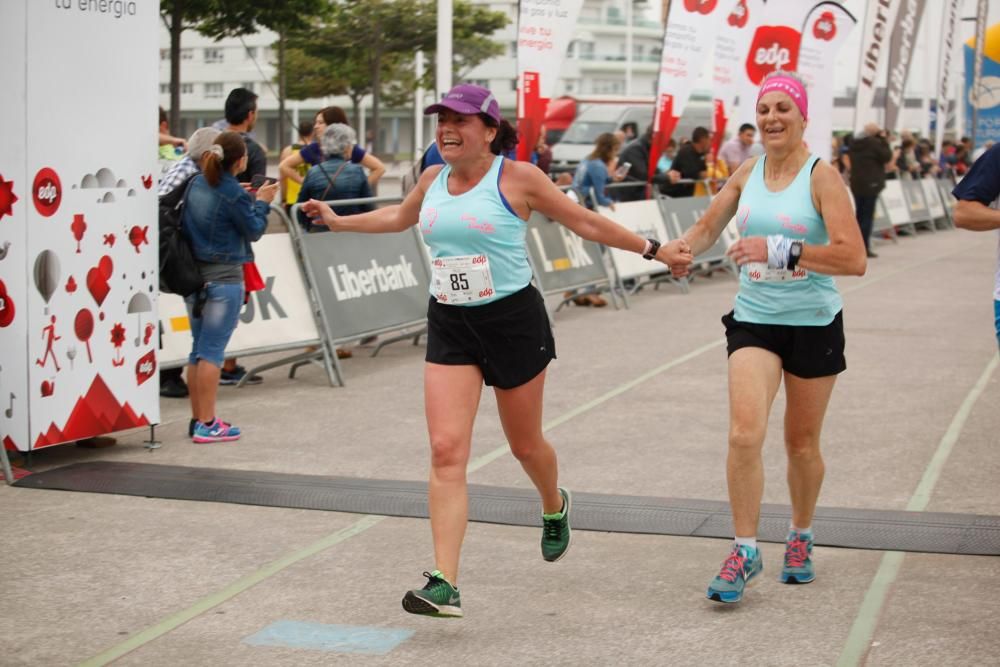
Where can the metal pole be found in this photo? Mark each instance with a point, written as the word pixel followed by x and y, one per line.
pixel 444 54
pixel 418 111
pixel 982 9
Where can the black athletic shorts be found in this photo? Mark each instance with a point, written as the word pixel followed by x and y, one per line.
pixel 510 339
pixel 805 351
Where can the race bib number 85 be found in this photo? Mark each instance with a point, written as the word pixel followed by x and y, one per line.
pixel 463 279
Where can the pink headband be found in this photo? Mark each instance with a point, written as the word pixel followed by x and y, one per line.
pixel 791 87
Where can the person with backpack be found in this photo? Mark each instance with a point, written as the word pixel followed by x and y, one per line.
pixel 336 177
pixel 220 219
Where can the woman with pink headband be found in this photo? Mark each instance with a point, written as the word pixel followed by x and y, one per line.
pixel 797 230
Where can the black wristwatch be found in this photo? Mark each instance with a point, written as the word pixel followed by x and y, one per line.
pixel 654 247
pixel 794 254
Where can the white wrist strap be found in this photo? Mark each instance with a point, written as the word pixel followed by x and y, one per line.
pixel 778 250
pixel 646 248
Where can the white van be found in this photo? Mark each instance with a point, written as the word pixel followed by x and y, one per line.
pixel 595 119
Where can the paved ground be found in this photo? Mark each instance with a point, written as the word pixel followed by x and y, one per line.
pixel 636 403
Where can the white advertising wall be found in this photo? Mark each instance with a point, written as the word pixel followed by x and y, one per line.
pixel 275 318
pixel 78 232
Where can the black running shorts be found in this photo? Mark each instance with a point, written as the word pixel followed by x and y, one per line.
pixel 510 339
pixel 805 351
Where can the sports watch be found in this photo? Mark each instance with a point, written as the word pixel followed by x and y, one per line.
pixel 794 254
pixel 654 247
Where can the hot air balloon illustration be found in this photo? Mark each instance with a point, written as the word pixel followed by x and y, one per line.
pixel 46 275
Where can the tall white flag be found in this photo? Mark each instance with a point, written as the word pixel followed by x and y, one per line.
pixel 879 21
pixel 825 30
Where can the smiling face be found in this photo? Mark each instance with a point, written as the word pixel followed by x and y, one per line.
pixel 780 122
pixel 461 136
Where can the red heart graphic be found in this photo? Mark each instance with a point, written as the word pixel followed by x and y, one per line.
pixel 97 283
pixel 740 15
pixel 6 306
pixel 48 388
pixel 825 26
pixel 71 285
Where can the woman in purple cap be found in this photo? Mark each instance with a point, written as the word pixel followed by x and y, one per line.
pixel 798 230
pixel 485 321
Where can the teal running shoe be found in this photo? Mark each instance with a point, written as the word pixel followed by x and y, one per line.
pixel 217 431
pixel 743 564
pixel 555 531
pixel 798 567
pixel 437 598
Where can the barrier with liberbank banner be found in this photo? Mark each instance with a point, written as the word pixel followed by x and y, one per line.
pixel 324 289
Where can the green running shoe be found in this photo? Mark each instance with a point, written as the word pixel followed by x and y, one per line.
pixel 555 531
pixel 798 567
pixel 438 598
pixel 741 567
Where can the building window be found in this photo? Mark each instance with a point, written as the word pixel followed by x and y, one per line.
pixel 164 89
pixel 585 50
pixel 246 84
pixel 513 49
pixel 213 55
pixel 187 88
pixel 187 54
pixel 213 90
pixel 251 52
pixel 164 54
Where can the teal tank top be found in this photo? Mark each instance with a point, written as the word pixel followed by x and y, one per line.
pixel 476 222
pixel 813 301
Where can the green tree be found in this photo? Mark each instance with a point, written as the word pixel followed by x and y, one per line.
pixel 370 45
pixel 230 18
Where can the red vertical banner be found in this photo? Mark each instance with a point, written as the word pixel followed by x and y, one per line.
pixel 664 124
pixel 530 114
pixel 544 30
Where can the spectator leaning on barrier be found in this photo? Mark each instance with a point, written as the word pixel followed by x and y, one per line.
pixel 486 321
pixel 869 153
pixel 220 220
pixel 290 188
pixel 978 209
pixel 636 153
pixel 336 177
pixel 592 174
pixel 736 151
pixel 312 154
pixel 786 328
pixel 689 164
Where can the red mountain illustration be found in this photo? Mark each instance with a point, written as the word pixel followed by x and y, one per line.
pixel 9 444
pixel 96 413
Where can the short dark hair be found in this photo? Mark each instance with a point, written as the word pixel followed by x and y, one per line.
pixel 746 126
pixel 239 104
pixel 630 125
pixel 163 115
pixel 699 134
pixel 305 128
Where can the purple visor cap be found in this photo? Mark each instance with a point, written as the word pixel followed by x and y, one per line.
pixel 468 99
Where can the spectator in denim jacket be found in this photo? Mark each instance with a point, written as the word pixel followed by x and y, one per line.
pixel 593 173
pixel 220 221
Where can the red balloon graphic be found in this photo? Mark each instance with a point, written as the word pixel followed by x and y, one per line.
pixel 84 328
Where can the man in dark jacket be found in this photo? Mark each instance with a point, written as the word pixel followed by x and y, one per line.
pixel 689 163
pixel 869 154
pixel 636 153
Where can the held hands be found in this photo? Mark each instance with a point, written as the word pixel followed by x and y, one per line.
pixel 747 250
pixel 677 255
pixel 319 213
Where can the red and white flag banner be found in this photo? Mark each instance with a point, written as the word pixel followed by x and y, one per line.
pixel 730 53
pixel 825 30
pixel 688 38
pixel 544 30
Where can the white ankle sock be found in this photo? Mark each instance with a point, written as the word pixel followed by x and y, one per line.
pixel 747 542
pixel 801 531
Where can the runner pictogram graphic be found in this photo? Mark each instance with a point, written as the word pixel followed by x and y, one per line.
pixel 49 332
